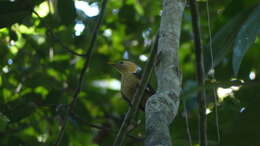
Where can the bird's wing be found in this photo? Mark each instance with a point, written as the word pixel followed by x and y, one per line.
pixel 127 100
pixel 149 89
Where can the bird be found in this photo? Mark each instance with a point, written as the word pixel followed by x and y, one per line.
pixel 130 81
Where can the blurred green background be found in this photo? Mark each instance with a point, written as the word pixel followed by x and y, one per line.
pixel 38 76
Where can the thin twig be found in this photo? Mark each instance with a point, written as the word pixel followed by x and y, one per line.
pixel 121 135
pixel 212 74
pixel 56 39
pixel 216 114
pixel 200 73
pixel 86 64
pixel 210 37
pixel 103 127
pixel 187 123
pixel 11 132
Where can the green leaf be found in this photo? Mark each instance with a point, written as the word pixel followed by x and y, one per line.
pixel 246 37
pixel 223 40
pixel 66 11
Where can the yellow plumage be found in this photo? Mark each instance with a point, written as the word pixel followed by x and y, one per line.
pixel 130 82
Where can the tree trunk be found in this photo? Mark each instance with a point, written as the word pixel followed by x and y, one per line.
pixel 162 107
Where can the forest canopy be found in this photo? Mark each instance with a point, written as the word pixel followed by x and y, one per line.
pixel 43 48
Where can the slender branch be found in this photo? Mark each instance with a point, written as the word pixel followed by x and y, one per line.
pixel 187 123
pixel 200 73
pixel 103 127
pixel 216 114
pixel 11 132
pixel 56 39
pixel 86 64
pixel 211 73
pixel 121 135
pixel 76 116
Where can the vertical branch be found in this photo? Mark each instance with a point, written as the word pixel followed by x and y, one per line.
pixel 200 73
pixel 211 74
pixel 121 135
pixel 187 123
pixel 162 107
pixel 82 73
pixel 216 114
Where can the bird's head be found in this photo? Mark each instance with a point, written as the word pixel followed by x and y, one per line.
pixel 125 67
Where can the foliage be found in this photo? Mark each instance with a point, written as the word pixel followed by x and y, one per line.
pixel 38 76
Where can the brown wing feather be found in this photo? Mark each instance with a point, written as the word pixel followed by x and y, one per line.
pixel 149 89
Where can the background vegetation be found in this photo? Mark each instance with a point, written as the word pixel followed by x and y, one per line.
pixel 38 75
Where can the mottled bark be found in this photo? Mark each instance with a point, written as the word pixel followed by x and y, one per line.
pixel 162 107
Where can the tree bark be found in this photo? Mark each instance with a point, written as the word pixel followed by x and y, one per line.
pixel 162 107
